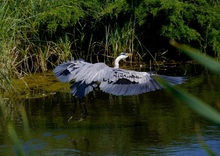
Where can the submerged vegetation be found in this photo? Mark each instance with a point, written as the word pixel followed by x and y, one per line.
pixel 36 35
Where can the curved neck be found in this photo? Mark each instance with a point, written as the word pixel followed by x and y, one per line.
pixel 117 62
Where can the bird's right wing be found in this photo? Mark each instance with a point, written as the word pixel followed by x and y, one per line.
pixel 69 70
pixel 82 76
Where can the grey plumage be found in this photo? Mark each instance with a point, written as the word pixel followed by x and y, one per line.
pixel 84 76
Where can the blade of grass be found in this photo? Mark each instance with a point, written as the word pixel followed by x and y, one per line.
pixel 193 102
pixel 11 130
pixel 25 121
pixel 203 59
pixel 13 135
pixel 202 142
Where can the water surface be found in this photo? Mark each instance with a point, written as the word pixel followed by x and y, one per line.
pixel 154 123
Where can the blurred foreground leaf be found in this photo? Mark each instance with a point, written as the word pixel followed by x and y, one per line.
pixel 193 102
pixel 15 139
pixel 203 59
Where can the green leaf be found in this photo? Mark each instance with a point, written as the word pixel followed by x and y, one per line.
pixel 193 102
pixel 203 59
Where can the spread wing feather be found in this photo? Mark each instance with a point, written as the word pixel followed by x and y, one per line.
pixel 127 82
pixel 84 77
pixel 68 71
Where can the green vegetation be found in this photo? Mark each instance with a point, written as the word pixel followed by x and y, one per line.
pixel 197 105
pixel 36 35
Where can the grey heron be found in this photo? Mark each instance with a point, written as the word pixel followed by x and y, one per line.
pixel 84 77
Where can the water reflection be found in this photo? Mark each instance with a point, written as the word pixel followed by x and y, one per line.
pixel 148 124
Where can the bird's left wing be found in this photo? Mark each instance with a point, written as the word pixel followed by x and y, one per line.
pixel 126 82
pixel 129 82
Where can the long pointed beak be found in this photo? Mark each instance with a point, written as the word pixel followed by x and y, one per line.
pixel 128 54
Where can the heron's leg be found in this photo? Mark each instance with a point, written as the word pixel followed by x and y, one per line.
pixel 79 108
pixel 74 142
pixel 84 111
pixel 73 111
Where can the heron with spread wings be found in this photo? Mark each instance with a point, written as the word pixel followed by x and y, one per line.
pixel 84 77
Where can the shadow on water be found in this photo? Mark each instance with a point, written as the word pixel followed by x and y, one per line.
pixel 148 124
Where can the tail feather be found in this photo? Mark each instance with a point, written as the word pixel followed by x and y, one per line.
pixel 174 80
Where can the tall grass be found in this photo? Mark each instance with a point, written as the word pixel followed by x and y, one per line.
pixel 36 35
pixel 119 39
pixel 22 48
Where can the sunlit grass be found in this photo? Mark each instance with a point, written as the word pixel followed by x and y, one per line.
pixel 36 86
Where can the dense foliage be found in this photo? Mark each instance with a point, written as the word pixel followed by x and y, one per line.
pixel 35 35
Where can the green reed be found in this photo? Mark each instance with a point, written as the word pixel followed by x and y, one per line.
pixel 8 124
pixel 200 107
pixel 23 49
pixel 37 35
pixel 197 105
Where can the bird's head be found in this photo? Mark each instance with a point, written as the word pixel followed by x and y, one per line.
pixel 124 55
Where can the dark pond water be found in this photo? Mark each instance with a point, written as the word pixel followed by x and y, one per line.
pixel 151 124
